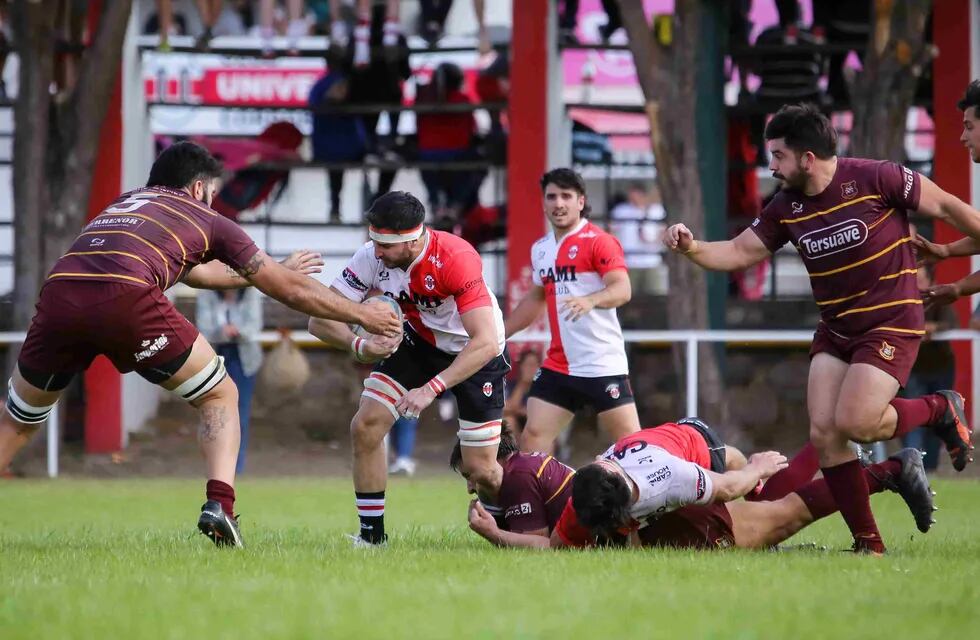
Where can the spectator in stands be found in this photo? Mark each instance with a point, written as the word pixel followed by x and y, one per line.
pixel 231 321
pixel 841 22
pixel 166 24
pixel 209 10
pixel 934 369
pixel 567 22
pixel 403 435
pixel 638 222
pixel 296 27
pixel 433 16
pixel 364 40
pixel 70 32
pixel 515 407
pixel 448 138
pixel 493 85
pixel 337 137
pixel 792 75
pixel 380 83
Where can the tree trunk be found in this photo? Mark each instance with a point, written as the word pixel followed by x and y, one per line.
pixel 668 77
pixel 882 93
pixel 55 145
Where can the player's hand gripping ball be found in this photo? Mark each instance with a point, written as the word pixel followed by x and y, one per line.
pixel 376 348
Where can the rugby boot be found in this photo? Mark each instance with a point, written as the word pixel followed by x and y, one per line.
pixel 360 543
pixel 954 430
pixel 869 546
pixel 220 527
pixel 913 485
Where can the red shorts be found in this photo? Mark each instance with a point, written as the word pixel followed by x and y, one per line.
pixel 893 353
pixel 136 327
pixel 691 527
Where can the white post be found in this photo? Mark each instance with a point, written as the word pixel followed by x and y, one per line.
pixel 53 439
pixel 692 376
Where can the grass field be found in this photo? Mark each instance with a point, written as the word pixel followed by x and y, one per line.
pixel 112 559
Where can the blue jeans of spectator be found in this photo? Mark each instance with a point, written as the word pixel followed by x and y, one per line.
pixel 922 438
pixel 403 436
pixel 246 387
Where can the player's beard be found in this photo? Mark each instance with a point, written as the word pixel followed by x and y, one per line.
pixel 795 180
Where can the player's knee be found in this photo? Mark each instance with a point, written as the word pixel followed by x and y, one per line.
pixel 367 432
pixel 479 434
pixel 32 416
pixel 822 434
pixel 210 382
pixel 856 423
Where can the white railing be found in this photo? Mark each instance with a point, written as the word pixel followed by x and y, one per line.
pixel 690 338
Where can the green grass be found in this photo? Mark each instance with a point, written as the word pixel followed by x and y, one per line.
pixel 111 559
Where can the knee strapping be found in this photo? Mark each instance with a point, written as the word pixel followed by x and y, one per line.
pixel 479 434
pixel 385 390
pixel 23 412
pixel 203 381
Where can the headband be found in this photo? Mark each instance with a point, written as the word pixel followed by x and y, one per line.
pixel 391 236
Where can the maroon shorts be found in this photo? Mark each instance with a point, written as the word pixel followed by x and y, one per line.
pixel 893 353
pixel 691 527
pixel 136 327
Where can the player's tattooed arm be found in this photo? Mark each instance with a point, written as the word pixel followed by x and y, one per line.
pixel 252 266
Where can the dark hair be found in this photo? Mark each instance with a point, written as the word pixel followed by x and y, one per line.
pixel 448 77
pixel 181 164
pixel 601 499
pixel 398 210
pixel 804 128
pixel 565 178
pixel 507 446
pixel 971 98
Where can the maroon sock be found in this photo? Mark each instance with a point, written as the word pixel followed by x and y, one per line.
pixel 800 471
pixel 916 412
pixel 819 501
pixel 850 490
pixel 222 493
pixel 876 473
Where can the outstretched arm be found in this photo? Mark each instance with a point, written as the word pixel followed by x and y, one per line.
pixel 732 485
pixel 217 275
pixel 936 203
pixel 742 252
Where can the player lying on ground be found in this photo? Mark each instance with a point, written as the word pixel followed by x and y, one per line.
pixel 536 494
pixel 579 276
pixel 848 217
pixel 105 297
pixel 453 338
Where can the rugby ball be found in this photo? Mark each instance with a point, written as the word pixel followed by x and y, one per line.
pixel 379 299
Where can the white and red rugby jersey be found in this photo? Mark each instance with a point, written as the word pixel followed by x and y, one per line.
pixel 443 282
pixel 591 346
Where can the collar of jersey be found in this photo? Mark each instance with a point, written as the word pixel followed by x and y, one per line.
pixel 581 224
pixel 425 250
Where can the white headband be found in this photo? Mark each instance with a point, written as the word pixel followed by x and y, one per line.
pixel 392 236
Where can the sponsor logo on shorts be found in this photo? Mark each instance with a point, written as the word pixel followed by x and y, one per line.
pixel 887 351
pixel 522 509
pixel 613 391
pixel 429 282
pixel 152 347
pixel 833 239
pixel 572 251
pixel 537 374
pixel 353 281
pixel 849 189
pixel 487 389
pixel 755 223
pixel 661 474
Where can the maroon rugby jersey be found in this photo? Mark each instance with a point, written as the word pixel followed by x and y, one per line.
pixel 854 240
pixel 533 492
pixel 153 236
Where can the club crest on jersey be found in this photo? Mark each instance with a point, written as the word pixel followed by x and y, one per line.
pixel 613 391
pixel 572 251
pixel 833 239
pixel 849 189
pixel 887 351
pixel 488 389
pixel 429 282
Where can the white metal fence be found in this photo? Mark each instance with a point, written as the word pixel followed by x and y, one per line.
pixel 690 338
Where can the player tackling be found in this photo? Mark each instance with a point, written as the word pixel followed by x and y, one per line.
pixel 105 296
pixel 579 276
pixel 848 218
pixel 453 339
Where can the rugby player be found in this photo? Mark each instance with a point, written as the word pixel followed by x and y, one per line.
pixel 579 276
pixel 453 339
pixel 536 495
pixel 848 217
pixel 105 297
